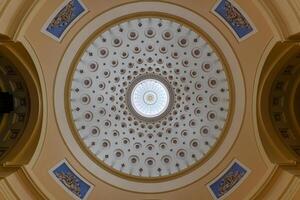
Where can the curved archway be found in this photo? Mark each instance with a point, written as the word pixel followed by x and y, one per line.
pixel 277 111
pixel 21 106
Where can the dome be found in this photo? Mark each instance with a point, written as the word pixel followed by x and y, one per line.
pixel 149 97
pixel 164 100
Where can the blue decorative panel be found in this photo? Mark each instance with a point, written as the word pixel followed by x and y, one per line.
pixel 235 18
pixel 70 180
pixel 63 18
pixel 229 180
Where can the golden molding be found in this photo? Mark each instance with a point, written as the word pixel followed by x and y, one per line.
pixel 101 163
pixel 105 20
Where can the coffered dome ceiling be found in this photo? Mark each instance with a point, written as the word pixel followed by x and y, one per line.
pixel 147 99
pixel 151 99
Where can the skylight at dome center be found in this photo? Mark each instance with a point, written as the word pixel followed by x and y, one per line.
pixel 150 98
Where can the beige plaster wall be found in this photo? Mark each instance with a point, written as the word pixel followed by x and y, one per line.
pixel 246 148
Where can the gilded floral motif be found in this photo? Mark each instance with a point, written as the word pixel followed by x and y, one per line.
pixel 64 17
pixel 229 181
pixel 62 20
pixel 70 181
pixel 235 17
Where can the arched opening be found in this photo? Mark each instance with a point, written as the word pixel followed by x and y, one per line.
pixel 278 110
pixel 20 107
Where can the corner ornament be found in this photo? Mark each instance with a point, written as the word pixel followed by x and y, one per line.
pixel 229 180
pixel 63 18
pixel 70 180
pixel 234 18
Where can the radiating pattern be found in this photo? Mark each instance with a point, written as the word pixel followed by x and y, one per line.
pixel 117 66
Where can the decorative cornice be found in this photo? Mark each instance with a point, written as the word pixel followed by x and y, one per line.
pixel 36 185
pixel 278 182
pixel 284 16
pixel 13 15
pixel 6 191
pixel 3 5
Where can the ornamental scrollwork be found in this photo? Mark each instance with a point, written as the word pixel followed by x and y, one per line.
pixel 64 17
pixel 229 181
pixel 235 17
pixel 70 181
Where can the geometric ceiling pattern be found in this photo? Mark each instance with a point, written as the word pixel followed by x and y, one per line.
pixel 149 100
pixel 149 97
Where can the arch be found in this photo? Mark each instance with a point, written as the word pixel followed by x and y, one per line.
pixel 21 127
pixel 283 17
pixel 279 141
